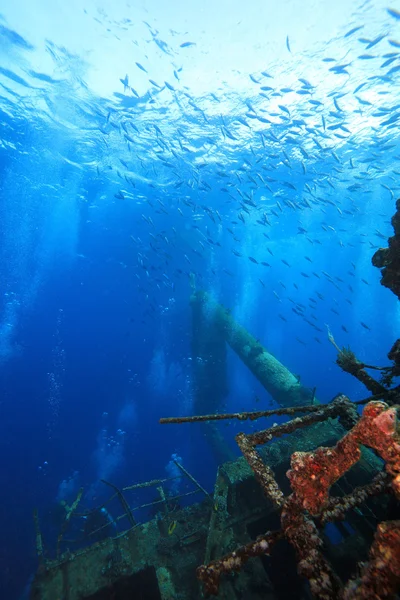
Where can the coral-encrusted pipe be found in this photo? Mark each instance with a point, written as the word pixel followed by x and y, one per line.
pixel 381 575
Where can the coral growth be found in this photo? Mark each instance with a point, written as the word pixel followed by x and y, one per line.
pixel 313 473
pixel 210 574
pixel 311 476
pixel 381 575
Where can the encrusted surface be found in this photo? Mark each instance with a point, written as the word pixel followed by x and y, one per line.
pixel 311 476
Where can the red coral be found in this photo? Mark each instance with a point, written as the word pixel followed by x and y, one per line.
pixel 313 473
pixel 381 575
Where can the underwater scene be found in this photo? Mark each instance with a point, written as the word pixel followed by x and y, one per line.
pixel 199 301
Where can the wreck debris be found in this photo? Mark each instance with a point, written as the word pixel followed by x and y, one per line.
pixel 124 503
pixel 301 531
pixel 336 507
pixel 136 508
pixel 163 497
pixel 388 259
pixel 68 514
pixel 348 362
pixel 193 480
pixel 150 483
pixel 38 533
pixel 243 416
pixel 71 512
pixel 263 473
pixel 311 476
pixel 381 575
pixel 338 407
pixel 210 574
pixel 238 516
pixel 144 562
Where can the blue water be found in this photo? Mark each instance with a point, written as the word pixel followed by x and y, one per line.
pixel 139 144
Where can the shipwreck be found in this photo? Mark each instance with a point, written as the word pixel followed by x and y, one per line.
pixel 310 510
